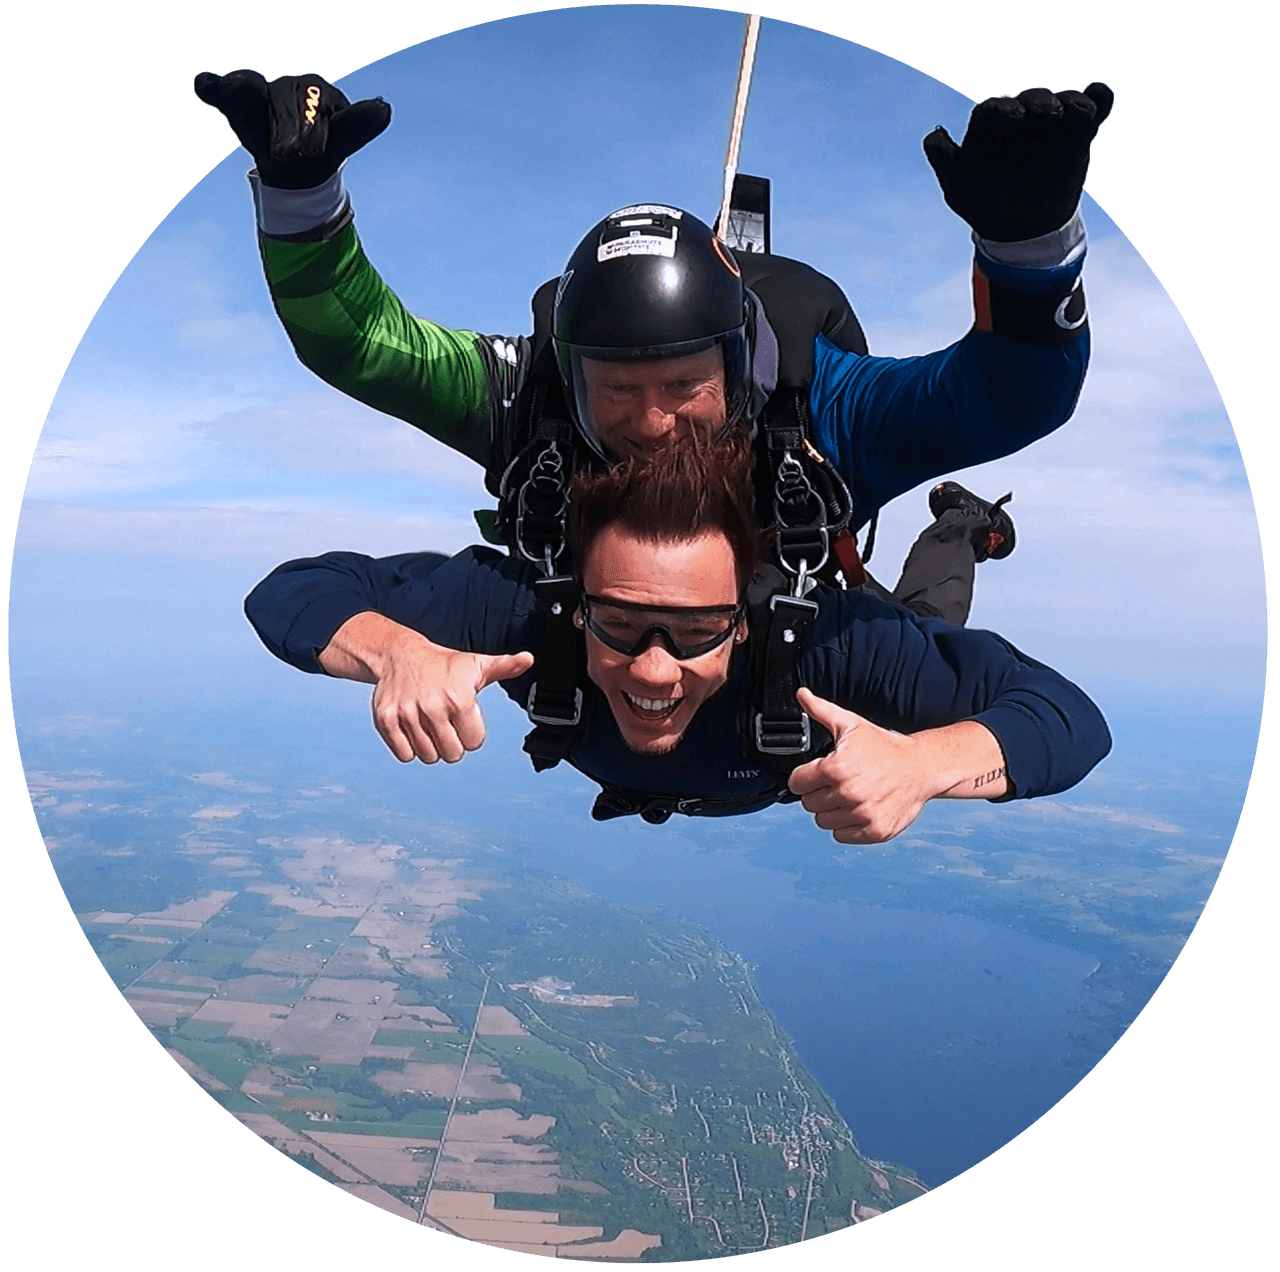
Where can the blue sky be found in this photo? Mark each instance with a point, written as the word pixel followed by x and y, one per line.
pixel 188 452
pixel 185 423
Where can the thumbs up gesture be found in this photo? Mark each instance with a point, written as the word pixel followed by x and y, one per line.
pixel 874 782
pixel 425 706
pixel 867 789
pixel 424 696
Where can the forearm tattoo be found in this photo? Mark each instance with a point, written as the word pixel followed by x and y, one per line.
pixel 987 778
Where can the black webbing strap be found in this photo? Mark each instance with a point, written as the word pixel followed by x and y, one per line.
pixel 780 728
pixel 613 802
pixel 555 701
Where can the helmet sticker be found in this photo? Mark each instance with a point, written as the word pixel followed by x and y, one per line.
pixel 637 244
pixel 647 209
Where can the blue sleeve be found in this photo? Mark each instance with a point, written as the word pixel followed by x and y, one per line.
pixel 908 673
pixel 889 424
pixel 480 601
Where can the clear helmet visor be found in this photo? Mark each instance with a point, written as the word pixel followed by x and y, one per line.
pixel 626 400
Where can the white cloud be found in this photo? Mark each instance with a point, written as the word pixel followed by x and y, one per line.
pixel 1137 539
pixel 41 783
pixel 227 782
pixel 76 726
pixel 1116 816
pixel 245 537
pixel 108 446
pixel 233 337
pixel 328 432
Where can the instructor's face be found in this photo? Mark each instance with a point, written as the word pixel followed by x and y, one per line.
pixel 634 404
pixel 654 695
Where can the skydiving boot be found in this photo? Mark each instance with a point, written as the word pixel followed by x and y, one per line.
pixel 994 537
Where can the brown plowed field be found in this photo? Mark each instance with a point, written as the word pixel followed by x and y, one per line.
pixel 389 1160
pixel 313 1029
pixel 520 1177
pixel 289 1141
pixel 491 1125
pixel 498 1022
pixel 258 1022
pixel 367 1192
pixel 482 1081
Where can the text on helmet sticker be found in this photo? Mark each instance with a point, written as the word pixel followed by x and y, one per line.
pixel 647 209
pixel 637 244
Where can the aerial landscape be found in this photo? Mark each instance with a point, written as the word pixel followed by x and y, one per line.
pixel 447 991
pixel 505 1058
pixel 631 1043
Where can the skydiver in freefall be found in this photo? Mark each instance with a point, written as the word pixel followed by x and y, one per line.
pixel 655 326
pixel 679 637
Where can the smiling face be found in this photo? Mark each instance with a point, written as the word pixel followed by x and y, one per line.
pixel 633 404
pixel 654 695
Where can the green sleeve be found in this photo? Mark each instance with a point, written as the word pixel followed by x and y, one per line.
pixel 349 328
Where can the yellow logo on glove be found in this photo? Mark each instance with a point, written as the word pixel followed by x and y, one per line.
pixel 313 103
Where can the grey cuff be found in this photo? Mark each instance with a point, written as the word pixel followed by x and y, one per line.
pixel 1049 251
pixel 284 213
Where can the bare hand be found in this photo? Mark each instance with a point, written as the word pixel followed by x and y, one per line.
pixel 424 704
pixel 870 787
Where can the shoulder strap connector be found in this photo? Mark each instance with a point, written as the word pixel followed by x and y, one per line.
pixel 556 698
pixel 780 727
pixel 811 504
pixel 542 504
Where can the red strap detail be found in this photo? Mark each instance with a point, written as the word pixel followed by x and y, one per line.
pixel 846 548
pixel 981 300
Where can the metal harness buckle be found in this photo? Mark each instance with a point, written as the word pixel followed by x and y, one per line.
pixel 544 501
pixel 786 737
pixel 562 721
pixel 809 541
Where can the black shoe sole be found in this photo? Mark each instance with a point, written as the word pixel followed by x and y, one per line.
pixel 951 495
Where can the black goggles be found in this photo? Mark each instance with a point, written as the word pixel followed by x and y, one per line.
pixel 686 631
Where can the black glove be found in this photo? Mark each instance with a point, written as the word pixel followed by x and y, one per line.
pixel 298 128
pixel 1019 172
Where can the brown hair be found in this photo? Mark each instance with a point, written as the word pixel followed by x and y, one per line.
pixel 686 486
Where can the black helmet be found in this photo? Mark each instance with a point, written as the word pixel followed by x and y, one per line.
pixel 651 282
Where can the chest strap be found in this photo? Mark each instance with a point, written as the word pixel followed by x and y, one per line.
pixel 614 801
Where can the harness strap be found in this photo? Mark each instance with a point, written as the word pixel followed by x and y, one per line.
pixel 811 502
pixel 534 503
pixel 780 728
pixel 613 802
pixel 555 701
